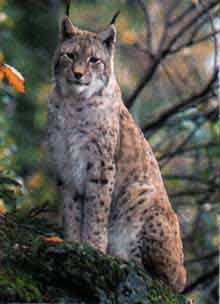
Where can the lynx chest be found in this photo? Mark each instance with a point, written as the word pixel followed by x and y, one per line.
pixel 79 135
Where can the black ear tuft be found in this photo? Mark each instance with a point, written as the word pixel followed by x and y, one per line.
pixel 67 29
pixel 68 3
pixel 108 37
pixel 115 17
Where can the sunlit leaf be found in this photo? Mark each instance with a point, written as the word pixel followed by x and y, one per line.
pixel 9 181
pixel 3 17
pixel 15 79
pixel 129 37
pixel 2 75
pixel 35 180
pixel 2 207
pixel 52 239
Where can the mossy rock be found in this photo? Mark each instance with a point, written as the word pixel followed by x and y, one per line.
pixel 77 273
pixel 18 287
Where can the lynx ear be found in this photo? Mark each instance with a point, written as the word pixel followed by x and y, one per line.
pixel 108 37
pixel 67 28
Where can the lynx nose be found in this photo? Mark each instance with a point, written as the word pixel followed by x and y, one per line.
pixel 78 75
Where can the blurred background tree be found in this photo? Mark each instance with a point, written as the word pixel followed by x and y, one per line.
pixel 166 64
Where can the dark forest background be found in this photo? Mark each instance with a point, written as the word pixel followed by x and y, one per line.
pixel 166 64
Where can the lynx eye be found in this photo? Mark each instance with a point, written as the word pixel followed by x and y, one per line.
pixel 70 56
pixel 94 60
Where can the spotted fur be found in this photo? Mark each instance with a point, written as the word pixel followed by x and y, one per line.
pixel 112 190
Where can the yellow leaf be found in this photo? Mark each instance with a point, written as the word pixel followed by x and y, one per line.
pixel 3 17
pixel 129 37
pixel 2 207
pixel 15 78
pixel 35 180
pixel 52 239
pixel 2 75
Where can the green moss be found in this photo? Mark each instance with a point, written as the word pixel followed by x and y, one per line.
pixel 159 292
pixel 76 271
pixel 18 286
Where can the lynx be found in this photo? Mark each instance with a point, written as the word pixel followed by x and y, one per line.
pixel 111 187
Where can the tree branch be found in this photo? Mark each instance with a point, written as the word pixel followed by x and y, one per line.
pixel 202 279
pixel 148 24
pixel 205 257
pixel 164 115
pixel 193 42
pixel 165 47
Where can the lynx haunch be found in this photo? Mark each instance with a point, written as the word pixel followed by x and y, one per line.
pixel 111 188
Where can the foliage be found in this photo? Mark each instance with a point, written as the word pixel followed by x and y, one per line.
pixel 14 78
pixel 17 286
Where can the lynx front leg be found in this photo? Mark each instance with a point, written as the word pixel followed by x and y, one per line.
pixel 100 183
pixel 71 214
pixel 162 246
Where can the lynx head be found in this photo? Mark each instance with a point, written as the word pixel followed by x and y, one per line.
pixel 84 60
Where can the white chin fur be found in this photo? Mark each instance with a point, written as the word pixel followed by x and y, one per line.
pixel 80 89
pixel 85 91
pixel 94 87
